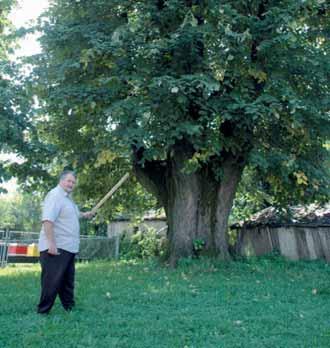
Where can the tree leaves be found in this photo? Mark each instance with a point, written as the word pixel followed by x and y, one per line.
pixel 14 102
pixel 250 80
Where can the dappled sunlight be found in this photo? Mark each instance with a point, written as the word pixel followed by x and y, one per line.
pixel 156 290
pixel 99 264
pixel 14 270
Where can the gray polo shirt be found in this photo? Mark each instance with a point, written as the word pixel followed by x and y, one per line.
pixel 59 208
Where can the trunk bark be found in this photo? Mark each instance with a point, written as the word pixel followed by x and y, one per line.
pixel 232 172
pixel 182 210
pixel 197 205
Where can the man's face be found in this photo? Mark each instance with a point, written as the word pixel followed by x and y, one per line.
pixel 68 183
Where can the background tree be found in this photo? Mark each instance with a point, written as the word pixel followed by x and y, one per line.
pixel 21 212
pixel 17 134
pixel 7 121
pixel 191 93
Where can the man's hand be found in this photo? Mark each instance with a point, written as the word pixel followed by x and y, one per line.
pixel 52 249
pixel 88 214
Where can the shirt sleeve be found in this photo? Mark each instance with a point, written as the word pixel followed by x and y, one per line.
pixel 51 207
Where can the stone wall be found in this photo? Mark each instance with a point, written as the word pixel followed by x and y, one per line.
pixel 295 242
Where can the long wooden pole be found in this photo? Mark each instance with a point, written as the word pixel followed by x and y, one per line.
pixel 110 193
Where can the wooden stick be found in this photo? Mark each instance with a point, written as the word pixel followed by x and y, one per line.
pixel 110 193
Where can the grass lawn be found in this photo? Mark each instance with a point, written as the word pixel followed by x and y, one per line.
pixel 257 303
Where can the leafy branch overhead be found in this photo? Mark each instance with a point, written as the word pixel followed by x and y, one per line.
pixel 228 77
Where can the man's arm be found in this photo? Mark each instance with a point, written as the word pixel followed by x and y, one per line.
pixel 49 232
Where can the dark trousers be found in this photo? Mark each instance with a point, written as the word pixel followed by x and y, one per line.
pixel 57 278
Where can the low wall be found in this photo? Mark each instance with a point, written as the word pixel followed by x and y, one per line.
pixel 295 242
pixel 116 228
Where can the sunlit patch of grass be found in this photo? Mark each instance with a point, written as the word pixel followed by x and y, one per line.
pixel 13 270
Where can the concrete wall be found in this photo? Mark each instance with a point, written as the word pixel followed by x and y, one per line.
pixel 293 242
pixel 116 228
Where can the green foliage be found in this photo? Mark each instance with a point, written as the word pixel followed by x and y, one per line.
pixel 258 303
pixel 23 131
pixel 252 196
pixel 142 245
pixel 95 181
pixel 198 245
pixel 17 134
pixel 5 8
pixel 250 80
pixel 21 212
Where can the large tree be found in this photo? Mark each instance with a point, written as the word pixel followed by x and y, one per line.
pixel 16 130
pixel 195 91
pixel 7 121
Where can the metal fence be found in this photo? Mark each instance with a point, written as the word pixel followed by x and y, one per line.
pixel 91 246
pixel 4 242
pixel 8 238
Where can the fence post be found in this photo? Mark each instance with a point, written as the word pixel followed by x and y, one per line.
pixel 4 249
pixel 117 242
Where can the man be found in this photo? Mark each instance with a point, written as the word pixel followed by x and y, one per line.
pixel 58 244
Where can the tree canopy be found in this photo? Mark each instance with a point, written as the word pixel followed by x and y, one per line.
pixel 189 93
pixel 8 121
pixel 17 133
pixel 21 212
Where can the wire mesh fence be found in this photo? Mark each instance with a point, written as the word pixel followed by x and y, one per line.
pixel 22 246
pixel 4 242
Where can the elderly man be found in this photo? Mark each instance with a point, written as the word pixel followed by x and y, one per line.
pixel 58 244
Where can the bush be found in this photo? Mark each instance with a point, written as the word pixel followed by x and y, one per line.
pixel 143 245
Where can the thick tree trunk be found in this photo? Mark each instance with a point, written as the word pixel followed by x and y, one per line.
pixel 226 193
pixel 197 205
pixel 206 209
pixel 190 208
pixel 182 210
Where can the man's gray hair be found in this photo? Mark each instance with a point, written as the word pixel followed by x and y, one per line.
pixel 65 173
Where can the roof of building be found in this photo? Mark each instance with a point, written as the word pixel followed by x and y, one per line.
pixel 311 215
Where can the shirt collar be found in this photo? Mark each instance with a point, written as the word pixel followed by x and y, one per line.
pixel 61 189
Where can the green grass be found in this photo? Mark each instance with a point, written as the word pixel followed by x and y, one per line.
pixel 258 303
